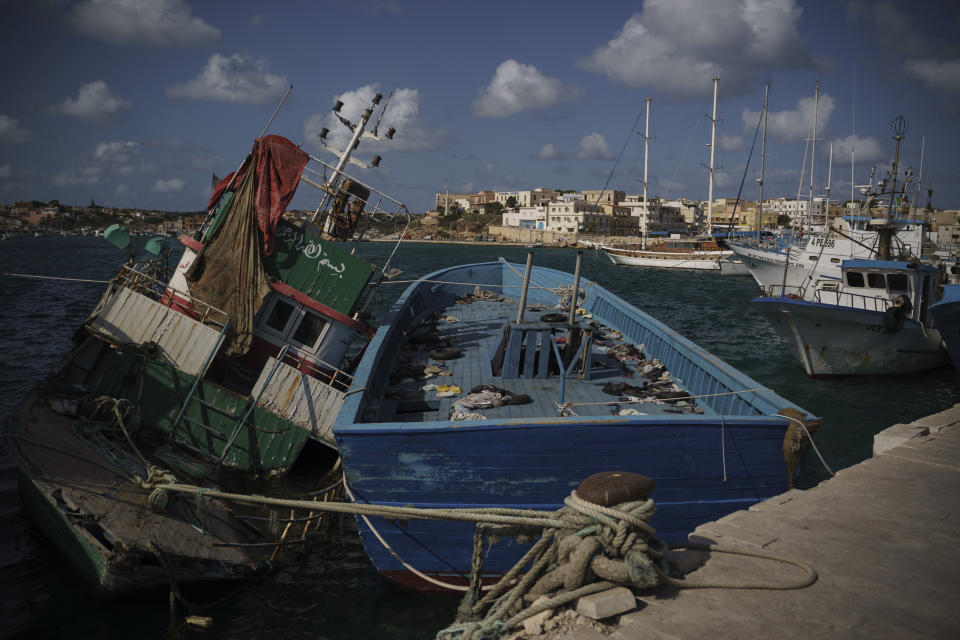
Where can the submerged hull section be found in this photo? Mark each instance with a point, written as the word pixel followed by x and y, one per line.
pixel 831 340
pixel 398 450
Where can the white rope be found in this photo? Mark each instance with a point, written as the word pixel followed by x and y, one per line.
pixel 396 556
pixel 723 446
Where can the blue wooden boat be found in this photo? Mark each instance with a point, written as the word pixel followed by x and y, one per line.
pixel 946 317
pixel 400 441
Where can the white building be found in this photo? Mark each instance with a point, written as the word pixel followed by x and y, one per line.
pixel 528 198
pixel 526 217
pixel 797 209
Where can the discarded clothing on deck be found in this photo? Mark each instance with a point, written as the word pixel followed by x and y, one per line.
pixel 486 396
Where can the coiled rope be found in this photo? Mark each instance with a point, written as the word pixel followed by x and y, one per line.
pixel 614 544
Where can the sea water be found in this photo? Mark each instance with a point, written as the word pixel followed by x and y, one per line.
pixel 333 591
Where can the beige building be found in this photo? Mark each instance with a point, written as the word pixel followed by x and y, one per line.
pixel 445 201
pixel 607 196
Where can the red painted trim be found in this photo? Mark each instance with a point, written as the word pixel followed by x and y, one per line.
pixel 319 307
pixel 190 243
pixel 179 303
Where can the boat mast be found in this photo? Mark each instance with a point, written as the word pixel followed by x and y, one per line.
pixel 344 155
pixel 886 227
pixel 763 158
pixel 813 153
pixel 829 178
pixel 646 156
pixel 853 129
pixel 713 146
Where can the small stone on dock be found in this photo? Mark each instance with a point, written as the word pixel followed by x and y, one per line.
pixel 607 603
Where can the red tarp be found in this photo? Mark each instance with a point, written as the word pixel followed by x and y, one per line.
pixel 278 165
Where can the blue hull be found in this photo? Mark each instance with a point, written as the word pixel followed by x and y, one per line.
pixel 946 317
pixel 705 465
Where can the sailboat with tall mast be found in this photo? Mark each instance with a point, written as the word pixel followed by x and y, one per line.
pixel 700 253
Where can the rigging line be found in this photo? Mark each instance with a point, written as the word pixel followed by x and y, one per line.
pixel 28 275
pixel 744 177
pixel 673 178
pixel 636 123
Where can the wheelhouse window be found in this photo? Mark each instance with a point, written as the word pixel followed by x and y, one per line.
pixel 310 330
pixel 279 316
pixel 291 322
pixel 898 282
pixel 876 281
pixel 854 279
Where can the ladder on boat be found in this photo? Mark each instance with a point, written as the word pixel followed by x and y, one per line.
pixel 193 397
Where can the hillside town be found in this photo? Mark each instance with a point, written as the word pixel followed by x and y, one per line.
pixel 558 217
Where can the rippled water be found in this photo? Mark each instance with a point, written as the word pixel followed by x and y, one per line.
pixel 334 592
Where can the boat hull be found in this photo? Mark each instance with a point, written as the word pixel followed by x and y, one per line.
pixel 946 316
pixel 767 266
pixel 707 261
pixel 535 466
pixel 705 465
pixel 830 340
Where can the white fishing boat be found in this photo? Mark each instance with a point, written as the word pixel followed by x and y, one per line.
pixel 795 265
pixel 874 319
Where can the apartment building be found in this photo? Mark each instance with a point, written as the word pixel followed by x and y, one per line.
pixel 606 196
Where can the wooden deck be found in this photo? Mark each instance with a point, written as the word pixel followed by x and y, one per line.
pixel 883 536
pixel 477 332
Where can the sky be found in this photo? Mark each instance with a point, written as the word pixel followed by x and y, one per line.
pixel 137 103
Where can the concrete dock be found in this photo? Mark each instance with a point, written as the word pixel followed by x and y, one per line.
pixel 883 535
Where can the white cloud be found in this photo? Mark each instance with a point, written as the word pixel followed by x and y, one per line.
pixel 594 146
pixel 678 46
pixel 94 101
pixel 402 114
pixel 122 157
pixel 174 185
pixel 11 131
pixel 794 124
pixel 155 22
pixel 865 150
pixel 391 7
pixel 550 152
pixel 117 152
pixel 256 21
pixel 943 75
pixel 517 87
pixel 77 177
pixel 237 79
pixel 730 142
pixel 6 171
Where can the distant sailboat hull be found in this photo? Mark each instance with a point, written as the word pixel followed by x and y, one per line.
pixel 704 260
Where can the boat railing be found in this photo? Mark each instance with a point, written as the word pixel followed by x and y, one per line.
pixel 855 300
pixel 377 203
pixel 146 285
pixel 700 373
pixel 320 370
